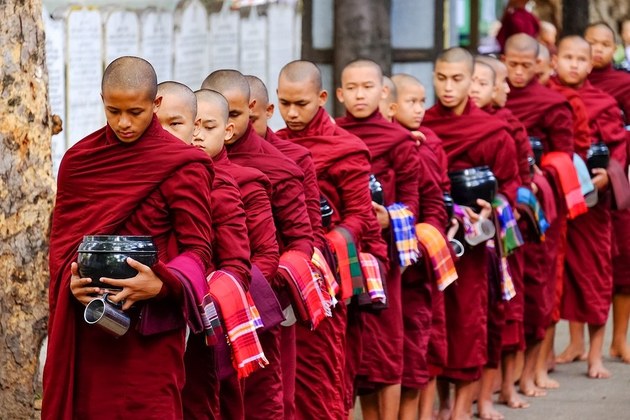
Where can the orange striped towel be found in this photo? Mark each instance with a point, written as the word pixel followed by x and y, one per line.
pixel 373 280
pixel 435 246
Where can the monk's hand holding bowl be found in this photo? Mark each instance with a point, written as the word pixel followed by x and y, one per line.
pixel 381 215
pixel 486 211
pixel 80 287
pixel 453 228
pixel 600 180
pixel 144 285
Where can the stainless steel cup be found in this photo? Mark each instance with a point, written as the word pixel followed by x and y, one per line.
pixel 458 247
pixel 107 315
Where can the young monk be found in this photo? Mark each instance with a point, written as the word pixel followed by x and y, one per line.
pixel 471 138
pixel 395 164
pixel 389 105
pixel 587 294
pixel 617 84
pixel 342 165
pixel 545 69
pixel 423 303
pixel 546 115
pixel 96 197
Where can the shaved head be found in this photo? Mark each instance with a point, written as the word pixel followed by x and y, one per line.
pixel 257 89
pixel 457 55
pixel 402 80
pixel 391 87
pixel 180 91
pixel 130 73
pixel 302 71
pixel 209 96
pixel 410 101
pixel 574 41
pixel 487 66
pixel 521 43
pixel 227 80
pixel 543 53
pixel 600 25
pixel 362 63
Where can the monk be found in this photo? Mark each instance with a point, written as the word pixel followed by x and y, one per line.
pixel 617 84
pixel 342 167
pixel 471 138
pixel 546 115
pixel 96 197
pixel 545 69
pixel 423 303
pixel 395 164
pixel 247 148
pixel 517 19
pixel 588 280
pixel 389 105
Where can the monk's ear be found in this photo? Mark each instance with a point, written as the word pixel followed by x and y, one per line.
pixel 340 94
pixel 269 110
pixel 252 104
pixel 229 132
pixel 392 110
pixel 322 97
pixel 197 127
pixel 156 104
pixel 554 62
pixel 384 92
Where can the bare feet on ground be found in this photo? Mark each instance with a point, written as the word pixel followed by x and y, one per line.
pixel 596 370
pixel 571 354
pixel 545 382
pixel 512 400
pixel 529 389
pixel 487 411
pixel 620 352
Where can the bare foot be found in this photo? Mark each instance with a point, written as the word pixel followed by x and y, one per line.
pixel 444 414
pixel 570 355
pixel 597 370
pixel 531 390
pixel 545 382
pixel 620 352
pixel 487 411
pixel 512 400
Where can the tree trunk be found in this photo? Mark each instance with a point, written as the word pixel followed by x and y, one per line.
pixel 362 30
pixel 574 17
pixel 26 197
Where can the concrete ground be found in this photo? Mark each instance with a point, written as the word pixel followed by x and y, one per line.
pixel 578 398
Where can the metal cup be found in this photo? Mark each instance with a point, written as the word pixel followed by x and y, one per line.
pixel 107 315
pixel 458 247
pixel 482 231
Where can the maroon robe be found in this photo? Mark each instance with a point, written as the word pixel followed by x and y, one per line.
pixel 342 167
pixel 615 83
pixel 517 20
pixel 547 115
pixel 588 281
pixel 472 139
pixel 155 186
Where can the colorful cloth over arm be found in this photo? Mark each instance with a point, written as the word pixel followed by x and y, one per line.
pixel 373 280
pixel 347 262
pixel 510 234
pixel 319 261
pixel 402 221
pixel 239 322
pixel 439 255
pixel 527 198
pixel 305 283
pixel 563 165
pixel 507 284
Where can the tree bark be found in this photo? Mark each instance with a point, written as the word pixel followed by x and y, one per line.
pixel 362 30
pixel 574 17
pixel 26 197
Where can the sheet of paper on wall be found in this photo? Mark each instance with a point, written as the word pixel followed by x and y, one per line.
pixel 281 18
pixel 224 32
pixel 191 44
pixel 122 34
pixel 253 57
pixel 84 72
pixel 55 63
pixel 156 41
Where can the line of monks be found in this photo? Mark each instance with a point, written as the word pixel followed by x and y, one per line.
pixel 290 281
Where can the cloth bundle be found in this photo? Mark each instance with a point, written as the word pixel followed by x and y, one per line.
pixel 402 221
pixel 438 252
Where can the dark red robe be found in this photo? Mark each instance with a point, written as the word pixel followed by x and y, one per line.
pixel 517 20
pixel 342 167
pixel 395 163
pixel 588 281
pixel 615 83
pixel 155 186
pixel 547 115
pixel 472 139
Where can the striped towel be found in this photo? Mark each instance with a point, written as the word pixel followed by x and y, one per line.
pixel 510 234
pixel 402 221
pixel 507 284
pixel 563 166
pixel 347 262
pixel 439 255
pixel 211 322
pixel 526 197
pixel 373 280
pixel 253 310
pixel 304 281
pixel 239 322
pixel 319 261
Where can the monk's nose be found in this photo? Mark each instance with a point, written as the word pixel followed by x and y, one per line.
pixel 124 121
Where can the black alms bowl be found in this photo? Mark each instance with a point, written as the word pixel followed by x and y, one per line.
pixel 537 148
pixel 470 184
pixel 598 156
pixel 376 189
pixel 326 210
pixel 106 255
